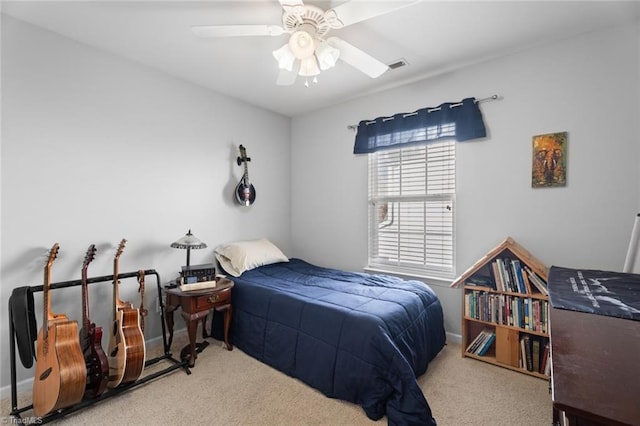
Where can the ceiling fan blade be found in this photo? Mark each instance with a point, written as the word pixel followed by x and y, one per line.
pixel 355 11
pixel 293 7
pixel 357 58
pixel 291 3
pixel 286 77
pixel 212 31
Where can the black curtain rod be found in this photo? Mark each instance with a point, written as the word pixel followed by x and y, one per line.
pixel 490 98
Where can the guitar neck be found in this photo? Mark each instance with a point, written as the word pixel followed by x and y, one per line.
pixel 86 322
pixel 47 315
pixel 116 284
pixel 245 178
pixel 46 303
pixel 85 305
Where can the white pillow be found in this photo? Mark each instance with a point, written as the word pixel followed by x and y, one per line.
pixel 240 256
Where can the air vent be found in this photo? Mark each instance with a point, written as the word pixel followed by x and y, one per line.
pixel 398 64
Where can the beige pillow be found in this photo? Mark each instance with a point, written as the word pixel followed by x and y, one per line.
pixel 239 256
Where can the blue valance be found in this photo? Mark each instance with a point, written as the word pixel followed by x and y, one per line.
pixel 461 121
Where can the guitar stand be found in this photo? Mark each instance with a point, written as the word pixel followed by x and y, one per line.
pixel 185 353
pixel 167 355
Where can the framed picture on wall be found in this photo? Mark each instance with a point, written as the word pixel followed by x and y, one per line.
pixel 549 166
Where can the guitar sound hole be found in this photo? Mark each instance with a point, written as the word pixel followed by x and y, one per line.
pixel 45 373
pixel 114 352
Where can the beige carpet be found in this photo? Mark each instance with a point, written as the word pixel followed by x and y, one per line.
pixel 231 388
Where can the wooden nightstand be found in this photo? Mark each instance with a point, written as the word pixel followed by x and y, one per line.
pixel 196 305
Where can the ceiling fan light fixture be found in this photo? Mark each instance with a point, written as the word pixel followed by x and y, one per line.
pixel 327 55
pixel 309 67
pixel 285 57
pixel 302 44
pixel 309 49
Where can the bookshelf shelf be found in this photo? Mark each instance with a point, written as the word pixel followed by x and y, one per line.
pixel 504 296
pixel 491 324
pixel 508 293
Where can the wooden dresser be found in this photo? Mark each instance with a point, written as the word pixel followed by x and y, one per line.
pixel 595 369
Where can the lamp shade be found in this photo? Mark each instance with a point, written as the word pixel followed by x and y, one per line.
pixel 309 67
pixel 188 242
pixel 285 57
pixel 327 55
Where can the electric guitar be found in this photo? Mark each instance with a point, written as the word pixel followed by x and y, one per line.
pixel 91 340
pixel 127 350
pixel 245 192
pixel 60 376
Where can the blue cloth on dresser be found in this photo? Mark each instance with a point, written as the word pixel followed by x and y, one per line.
pixel 358 337
pixel 614 294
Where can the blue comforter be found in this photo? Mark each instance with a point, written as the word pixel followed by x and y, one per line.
pixel 357 337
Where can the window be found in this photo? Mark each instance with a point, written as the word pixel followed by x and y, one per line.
pixel 412 185
pixel 411 202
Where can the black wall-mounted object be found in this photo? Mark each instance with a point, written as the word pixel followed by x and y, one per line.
pixel 245 193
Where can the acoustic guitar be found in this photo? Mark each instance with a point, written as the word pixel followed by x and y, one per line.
pixel 91 340
pixel 127 350
pixel 60 376
pixel 245 193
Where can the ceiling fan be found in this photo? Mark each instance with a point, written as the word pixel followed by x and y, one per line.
pixel 308 50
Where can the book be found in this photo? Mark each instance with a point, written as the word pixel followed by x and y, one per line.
pixel 497 277
pixel 198 285
pixel 537 282
pixel 544 359
pixel 527 284
pixel 479 341
pixel 513 282
pixel 528 352
pixel 475 342
pixel 482 281
pixel 517 274
pixel 487 344
pixel 535 353
pixel 505 275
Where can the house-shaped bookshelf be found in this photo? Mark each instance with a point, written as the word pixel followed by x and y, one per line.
pixel 505 310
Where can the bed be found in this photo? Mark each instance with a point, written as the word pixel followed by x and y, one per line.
pixel 357 337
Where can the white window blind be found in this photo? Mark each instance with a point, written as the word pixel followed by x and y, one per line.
pixel 411 201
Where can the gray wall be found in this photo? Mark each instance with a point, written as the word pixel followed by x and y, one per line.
pixel 96 148
pixel 587 86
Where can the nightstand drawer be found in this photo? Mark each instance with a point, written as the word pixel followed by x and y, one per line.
pixel 212 300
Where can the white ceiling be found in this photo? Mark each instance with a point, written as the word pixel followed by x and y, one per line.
pixel 432 36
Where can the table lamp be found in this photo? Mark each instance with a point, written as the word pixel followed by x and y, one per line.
pixel 189 241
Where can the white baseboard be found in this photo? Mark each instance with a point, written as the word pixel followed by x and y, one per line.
pixel 454 338
pixel 27 384
pixel 23 386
